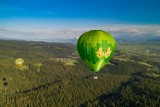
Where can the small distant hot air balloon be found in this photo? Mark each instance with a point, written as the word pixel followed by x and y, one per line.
pixel 19 62
pixel 96 48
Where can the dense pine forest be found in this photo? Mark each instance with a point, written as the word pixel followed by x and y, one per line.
pixel 53 75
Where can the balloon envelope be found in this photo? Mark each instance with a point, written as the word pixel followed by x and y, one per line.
pixel 96 48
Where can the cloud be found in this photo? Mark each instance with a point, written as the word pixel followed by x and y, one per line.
pixel 49 13
pixel 132 30
pixel 157 33
pixel 157 13
pixel 40 35
pixel 72 32
pixel 9 8
pixel 128 31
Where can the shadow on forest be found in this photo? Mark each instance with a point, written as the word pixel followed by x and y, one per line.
pixel 40 86
pixel 117 94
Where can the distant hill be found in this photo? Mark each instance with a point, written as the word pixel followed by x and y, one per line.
pixel 119 39
pixel 138 39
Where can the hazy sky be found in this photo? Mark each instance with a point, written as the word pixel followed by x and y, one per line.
pixel 49 19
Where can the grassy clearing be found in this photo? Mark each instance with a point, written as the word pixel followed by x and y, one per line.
pixel 146 64
pixel 140 49
pixel 153 74
pixel 70 62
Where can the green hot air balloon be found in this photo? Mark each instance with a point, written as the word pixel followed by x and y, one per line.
pixel 96 48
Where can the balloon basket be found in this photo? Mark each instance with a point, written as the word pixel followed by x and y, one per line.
pixel 95 77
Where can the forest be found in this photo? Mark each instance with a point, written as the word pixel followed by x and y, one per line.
pixel 53 75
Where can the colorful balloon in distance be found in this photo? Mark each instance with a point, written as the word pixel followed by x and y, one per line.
pixel 19 62
pixel 96 48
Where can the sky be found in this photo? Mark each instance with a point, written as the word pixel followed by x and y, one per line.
pixel 56 19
